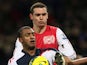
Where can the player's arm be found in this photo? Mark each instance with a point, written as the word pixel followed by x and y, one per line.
pixel 75 62
pixel 65 46
pixel 79 61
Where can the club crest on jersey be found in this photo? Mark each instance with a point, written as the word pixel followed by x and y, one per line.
pixel 49 39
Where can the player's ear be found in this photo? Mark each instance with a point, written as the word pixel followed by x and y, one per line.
pixel 31 16
pixel 20 39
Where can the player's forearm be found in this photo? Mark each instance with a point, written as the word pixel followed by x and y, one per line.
pixel 79 61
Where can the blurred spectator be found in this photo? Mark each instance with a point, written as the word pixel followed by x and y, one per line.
pixel 83 42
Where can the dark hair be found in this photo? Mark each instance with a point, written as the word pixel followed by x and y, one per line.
pixel 37 5
pixel 21 29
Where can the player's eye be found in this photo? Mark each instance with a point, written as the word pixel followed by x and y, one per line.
pixel 44 14
pixel 41 14
pixel 28 34
pixel 38 14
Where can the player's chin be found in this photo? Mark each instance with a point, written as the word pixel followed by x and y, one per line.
pixel 32 47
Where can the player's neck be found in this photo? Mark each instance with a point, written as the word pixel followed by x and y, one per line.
pixel 32 52
pixel 39 29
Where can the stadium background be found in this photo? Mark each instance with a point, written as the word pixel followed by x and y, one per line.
pixel 69 15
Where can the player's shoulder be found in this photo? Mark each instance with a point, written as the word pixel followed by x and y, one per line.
pixel 52 27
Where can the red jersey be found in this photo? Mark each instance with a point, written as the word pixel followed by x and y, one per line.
pixel 47 39
pixel 52 37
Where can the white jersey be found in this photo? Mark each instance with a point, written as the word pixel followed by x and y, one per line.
pixel 51 58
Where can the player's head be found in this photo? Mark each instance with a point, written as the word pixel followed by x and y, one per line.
pixel 26 37
pixel 39 14
pixel 39 60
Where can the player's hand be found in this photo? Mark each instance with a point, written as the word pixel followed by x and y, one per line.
pixel 59 59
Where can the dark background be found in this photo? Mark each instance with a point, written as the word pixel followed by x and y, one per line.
pixel 69 15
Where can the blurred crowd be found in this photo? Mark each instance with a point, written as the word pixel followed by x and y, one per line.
pixel 69 15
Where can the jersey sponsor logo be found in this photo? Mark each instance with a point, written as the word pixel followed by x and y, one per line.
pixel 49 39
pixel 64 36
